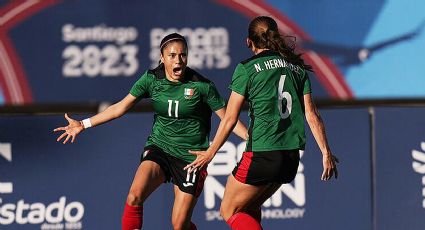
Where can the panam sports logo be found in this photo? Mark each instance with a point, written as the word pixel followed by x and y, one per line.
pixel 208 47
pixel 419 167
pixel 273 208
pixel 59 215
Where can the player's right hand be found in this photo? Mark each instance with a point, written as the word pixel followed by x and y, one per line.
pixel 73 128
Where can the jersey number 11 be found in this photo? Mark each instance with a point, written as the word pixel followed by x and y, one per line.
pixel 170 108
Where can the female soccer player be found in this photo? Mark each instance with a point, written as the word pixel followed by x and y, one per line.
pixel 275 83
pixel 183 101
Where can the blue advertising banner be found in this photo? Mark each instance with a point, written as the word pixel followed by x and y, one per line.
pixel 101 47
pixel 308 202
pixel 47 185
pixel 366 42
pixel 400 167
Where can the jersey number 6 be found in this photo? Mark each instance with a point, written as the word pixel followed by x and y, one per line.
pixel 284 95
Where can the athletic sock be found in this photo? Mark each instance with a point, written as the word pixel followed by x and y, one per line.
pixel 256 214
pixel 192 226
pixel 243 221
pixel 132 217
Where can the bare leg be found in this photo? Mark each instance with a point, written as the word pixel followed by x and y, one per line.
pixel 184 204
pixel 254 208
pixel 238 197
pixel 147 179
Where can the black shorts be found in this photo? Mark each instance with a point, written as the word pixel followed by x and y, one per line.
pixel 260 168
pixel 172 167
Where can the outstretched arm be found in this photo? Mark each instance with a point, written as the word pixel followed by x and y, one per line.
pixel 75 127
pixel 227 124
pixel 318 129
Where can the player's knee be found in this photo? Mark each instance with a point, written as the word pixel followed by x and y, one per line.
pixel 180 224
pixel 134 200
pixel 226 211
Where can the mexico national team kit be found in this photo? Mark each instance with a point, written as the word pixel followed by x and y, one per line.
pixel 274 90
pixel 182 122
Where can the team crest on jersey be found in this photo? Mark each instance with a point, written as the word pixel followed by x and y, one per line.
pixel 188 93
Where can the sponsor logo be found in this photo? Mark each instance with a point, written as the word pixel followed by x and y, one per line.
pixel 418 166
pixel 208 47
pixel 188 93
pixel 274 208
pixel 60 215
pixel 146 152
pixel 57 215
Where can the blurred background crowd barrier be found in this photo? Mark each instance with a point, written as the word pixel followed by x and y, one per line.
pixel 78 56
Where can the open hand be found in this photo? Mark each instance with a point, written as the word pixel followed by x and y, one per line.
pixel 73 128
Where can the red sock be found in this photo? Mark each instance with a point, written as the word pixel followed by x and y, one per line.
pixel 256 214
pixel 132 217
pixel 243 221
pixel 192 226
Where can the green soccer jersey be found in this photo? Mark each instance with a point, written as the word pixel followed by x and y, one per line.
pixel 182 119
pixel 274 89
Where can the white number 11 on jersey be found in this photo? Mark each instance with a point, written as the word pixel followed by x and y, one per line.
pixel 170 108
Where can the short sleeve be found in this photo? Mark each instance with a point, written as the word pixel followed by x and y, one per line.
pixel 214 100
pixel 142 87
pixel 307 84
pixel 239 80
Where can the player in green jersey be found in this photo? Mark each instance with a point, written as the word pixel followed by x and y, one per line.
pixel 183 102
pixel 275 84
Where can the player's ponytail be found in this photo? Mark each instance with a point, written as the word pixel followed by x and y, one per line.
pixel 264 33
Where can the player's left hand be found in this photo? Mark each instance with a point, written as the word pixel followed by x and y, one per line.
pixel 203 158
pixel 329 167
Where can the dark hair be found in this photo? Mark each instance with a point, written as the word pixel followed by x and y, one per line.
pixel 264 33
pixel 171 37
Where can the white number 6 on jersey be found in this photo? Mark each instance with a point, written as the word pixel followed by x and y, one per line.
pixel 283 95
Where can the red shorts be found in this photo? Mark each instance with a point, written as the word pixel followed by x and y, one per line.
pixel 260 168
